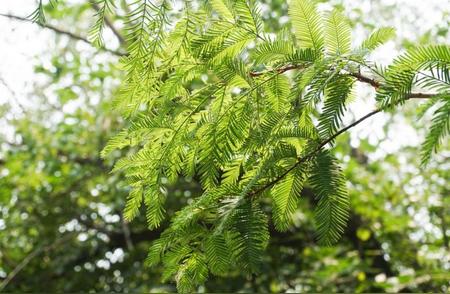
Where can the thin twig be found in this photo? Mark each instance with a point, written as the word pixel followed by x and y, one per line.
pixel 62 32
pixel 279 70
pixel 308 156
pixel 360 77
pixel 366 80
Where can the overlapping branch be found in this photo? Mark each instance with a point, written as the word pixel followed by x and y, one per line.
pixel 361 78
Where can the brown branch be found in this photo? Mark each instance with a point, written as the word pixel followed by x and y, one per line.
pixel 377 85
pixel 308 156
pixel 110 24
pixel 62 32
pixel 360 77
pixel 366 80
pixel 420 95
pixel 279 70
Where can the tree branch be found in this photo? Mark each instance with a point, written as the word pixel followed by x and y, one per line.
pixel 62 32
pixel 377 85
pixel 360 77
pixel 279 70
pixel 308 156
pixel 366 80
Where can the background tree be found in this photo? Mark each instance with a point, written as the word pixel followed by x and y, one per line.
pixel 62 220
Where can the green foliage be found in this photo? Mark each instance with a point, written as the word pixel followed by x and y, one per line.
pixel 38 15
pixel 210 95
pixel 96 32
pixel 307 23
pixel 223 108
pixel 378 37
pixel 333 207
pixel 154 201
pixel 193 271
pixel 231 134
pixel 440 128
pixel 337 33
pixel 217 251
pixel 133 203
pixel 285 197
pixel 248 235
pixel 402 75
pixel 338 93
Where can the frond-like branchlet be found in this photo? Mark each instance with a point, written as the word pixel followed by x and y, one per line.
pixel 285 196
pixel 337 94
pixel 337 33
pixel 307 24
pixel 378 38
pixel 209 95
pixel 96 32
pixel 440 128
pixel 332 209
pixel 38 15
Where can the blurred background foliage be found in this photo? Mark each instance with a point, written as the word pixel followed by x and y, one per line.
pixel 61 227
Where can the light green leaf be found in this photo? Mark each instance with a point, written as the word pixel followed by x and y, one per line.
pixel 307 25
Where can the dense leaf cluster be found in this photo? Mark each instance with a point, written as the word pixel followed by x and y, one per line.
pixel 254 116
